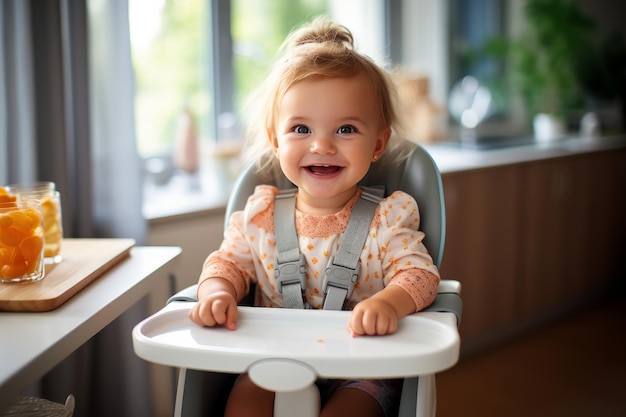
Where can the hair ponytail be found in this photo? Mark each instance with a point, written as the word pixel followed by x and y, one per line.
pixel 321 31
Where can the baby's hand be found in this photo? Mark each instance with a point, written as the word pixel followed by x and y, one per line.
pixel 216 308
pixel 373 317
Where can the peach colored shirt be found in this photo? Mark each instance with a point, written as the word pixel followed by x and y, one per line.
pixel 393 253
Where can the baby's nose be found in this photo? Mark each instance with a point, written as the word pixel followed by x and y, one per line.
pixel 323 144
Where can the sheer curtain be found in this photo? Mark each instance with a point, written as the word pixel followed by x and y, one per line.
pixel 16 93
pixel 66 115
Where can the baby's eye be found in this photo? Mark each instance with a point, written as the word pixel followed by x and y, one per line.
pixel 301 129
pixel 346 129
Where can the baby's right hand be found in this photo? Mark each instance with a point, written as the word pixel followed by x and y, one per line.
pixel 214 308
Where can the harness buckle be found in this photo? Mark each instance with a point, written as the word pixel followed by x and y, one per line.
pixel 291 272
pixel 341 277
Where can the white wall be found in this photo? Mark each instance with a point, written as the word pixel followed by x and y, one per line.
pixel 198 234
pixel 425 43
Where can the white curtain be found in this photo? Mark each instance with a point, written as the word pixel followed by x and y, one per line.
pixel 116 169
pixel 16 93
pixel 66 115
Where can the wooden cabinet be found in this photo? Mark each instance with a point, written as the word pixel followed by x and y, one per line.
pixel 554 209
pixel 574 228
pixel 482 248
pixel 529 239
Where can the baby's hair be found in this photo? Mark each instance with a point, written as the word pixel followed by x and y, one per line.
pixel 319 50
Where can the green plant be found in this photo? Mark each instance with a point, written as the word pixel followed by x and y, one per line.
pixel 602 71
pixel 541 61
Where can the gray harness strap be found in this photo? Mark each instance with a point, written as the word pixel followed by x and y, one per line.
pixel 342 271
pixel 290 266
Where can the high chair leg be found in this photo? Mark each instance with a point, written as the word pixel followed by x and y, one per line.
pixel 294 385
pixel 419 397
pixel 303 403
pixel 426 396
pixel 202 393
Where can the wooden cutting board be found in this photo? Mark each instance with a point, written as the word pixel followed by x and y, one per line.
pixel 84 260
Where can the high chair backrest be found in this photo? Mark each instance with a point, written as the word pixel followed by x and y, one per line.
pixel 416 175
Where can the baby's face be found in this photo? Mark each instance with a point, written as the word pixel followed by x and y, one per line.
pixel 328 132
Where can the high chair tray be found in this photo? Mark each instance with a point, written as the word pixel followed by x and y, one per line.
pixel 425 343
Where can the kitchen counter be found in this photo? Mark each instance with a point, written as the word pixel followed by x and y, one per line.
pixel 454 157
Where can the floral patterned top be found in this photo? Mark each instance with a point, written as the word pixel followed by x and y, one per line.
pixel 393 253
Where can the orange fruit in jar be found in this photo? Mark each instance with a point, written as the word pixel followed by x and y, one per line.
pixel 51 249
pixel 25 221
pixel 5 197
pixel 52 231
pixel 48 204
pixel 9 237
pixel 5 221
pixel 13 270
pixel 34 214
pixel 50 211
pixel 30 248
pixel 31 266
pixel 7 255
pixel 50 220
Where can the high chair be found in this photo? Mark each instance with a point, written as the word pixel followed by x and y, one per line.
pixel 286 350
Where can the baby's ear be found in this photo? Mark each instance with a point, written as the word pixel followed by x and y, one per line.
pixel 271 137
pixel 382 140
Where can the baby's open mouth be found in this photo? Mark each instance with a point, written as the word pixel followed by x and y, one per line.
pixel 324 169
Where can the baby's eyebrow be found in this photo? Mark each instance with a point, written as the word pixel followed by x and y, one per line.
pixel 353 120
pixel 340 121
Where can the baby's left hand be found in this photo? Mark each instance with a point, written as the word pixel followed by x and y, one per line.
pixel 373 317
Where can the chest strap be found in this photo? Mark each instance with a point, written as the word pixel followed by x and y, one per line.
pixel 342 271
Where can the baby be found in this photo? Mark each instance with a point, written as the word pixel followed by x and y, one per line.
pixel 326 113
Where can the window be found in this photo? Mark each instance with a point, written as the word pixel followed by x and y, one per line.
pixel 474 24
pixel 167 40
pixel 205 56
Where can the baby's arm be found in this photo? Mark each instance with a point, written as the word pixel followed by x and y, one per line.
pixel 217 304
pixel 379 314
pixel 409 289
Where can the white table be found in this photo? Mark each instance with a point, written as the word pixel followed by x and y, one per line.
pixel 31 344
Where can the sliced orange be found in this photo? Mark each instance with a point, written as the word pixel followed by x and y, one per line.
pixel 5 220
pixel 6 198
pixel 31 266
pixel 25 221
pixel 33 213
pixel 31 247
pixel 9 237
pixel 14 270
pixel 7 255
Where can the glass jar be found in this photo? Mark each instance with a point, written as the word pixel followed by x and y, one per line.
pixel 21 241
pixel 50 198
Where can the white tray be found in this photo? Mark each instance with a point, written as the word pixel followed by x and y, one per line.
pixel 425 343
